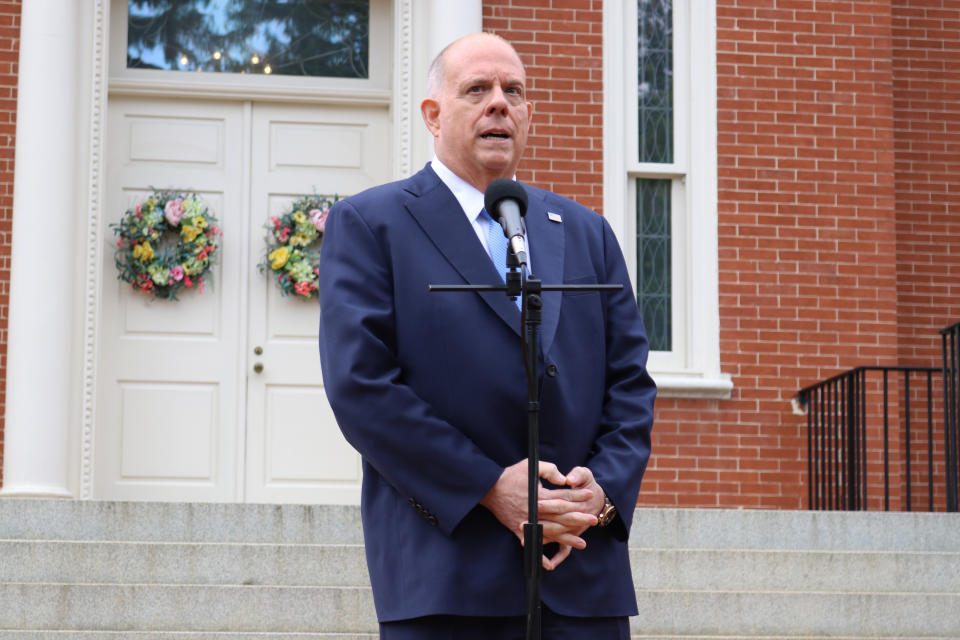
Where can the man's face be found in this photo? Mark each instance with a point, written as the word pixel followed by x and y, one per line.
pixel 479 116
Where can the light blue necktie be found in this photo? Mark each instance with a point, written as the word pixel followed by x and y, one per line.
pixel 497 246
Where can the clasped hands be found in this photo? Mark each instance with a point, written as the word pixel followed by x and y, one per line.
pixel 565 513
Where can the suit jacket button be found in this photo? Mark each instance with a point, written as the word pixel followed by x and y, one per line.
pixel 432 519
pixel 552 370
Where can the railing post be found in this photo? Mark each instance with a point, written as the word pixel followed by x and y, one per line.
pixel 886 441
pixel 851 443
pixel 906 430
pixel 951 390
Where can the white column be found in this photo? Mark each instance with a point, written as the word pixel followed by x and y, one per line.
pixel 39 338
pixel 452 20
pixel 437 23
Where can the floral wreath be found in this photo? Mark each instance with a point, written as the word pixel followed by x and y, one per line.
pixel 167 243
pixel 293 245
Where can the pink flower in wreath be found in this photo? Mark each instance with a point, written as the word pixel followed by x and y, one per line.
pixel 176 273
pixel 173 211
pixel 319 218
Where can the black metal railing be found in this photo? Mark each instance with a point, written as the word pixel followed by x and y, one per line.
pixel 950 337
pixel 882 437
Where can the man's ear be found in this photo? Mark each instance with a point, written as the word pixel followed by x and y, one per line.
pixel 430 110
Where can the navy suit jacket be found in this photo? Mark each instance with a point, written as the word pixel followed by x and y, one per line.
pixel 431 389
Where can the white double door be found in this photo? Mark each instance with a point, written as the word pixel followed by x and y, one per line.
pixel 218 396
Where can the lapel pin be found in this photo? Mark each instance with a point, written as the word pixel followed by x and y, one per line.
pixel 554 217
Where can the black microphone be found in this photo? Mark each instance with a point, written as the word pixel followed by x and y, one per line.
pixel 506 202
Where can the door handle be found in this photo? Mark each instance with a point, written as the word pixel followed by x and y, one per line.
pixel 258 367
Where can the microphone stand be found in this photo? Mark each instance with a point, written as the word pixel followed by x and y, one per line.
pixel 519 283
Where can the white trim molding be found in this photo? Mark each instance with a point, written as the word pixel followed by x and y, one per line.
pixel 92 273
pixel 692 367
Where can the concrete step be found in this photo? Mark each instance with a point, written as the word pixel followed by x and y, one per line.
pixel 177 635
pixel 158 571
pixel 68 561
pixel 33 519
pixel 795 530
pixel 38 519
pixel 663 613
pixel 790 614
pixel 44 561
pixel 764 570
pixel 194 608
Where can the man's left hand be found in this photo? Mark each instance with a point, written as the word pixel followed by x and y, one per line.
pixel 565 511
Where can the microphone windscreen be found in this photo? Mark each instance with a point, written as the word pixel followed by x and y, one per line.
pixel 504 188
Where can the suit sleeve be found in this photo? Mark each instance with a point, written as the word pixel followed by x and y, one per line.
pixel 425 459
pixel 622 448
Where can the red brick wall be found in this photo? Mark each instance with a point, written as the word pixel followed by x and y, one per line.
pixel 9 54
pixel 807 229
pixel 561 43
pixel 926 81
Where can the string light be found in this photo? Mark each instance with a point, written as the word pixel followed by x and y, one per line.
pixel 267 69
pixel 216 55
pixel 183 61
pixel 255 59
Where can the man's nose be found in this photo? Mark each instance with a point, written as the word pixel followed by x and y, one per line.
pixel 498 101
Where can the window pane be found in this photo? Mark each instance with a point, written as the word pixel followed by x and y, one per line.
pixel 282 37
pixel 653 261
pixel 655 80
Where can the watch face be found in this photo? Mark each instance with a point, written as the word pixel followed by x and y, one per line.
pixel 607 515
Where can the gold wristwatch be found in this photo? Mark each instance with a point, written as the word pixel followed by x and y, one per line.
pixel 607 514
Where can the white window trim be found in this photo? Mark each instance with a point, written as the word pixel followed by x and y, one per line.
pixel 375 90
pixel 692 367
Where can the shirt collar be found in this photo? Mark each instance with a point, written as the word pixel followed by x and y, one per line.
pixel 469 197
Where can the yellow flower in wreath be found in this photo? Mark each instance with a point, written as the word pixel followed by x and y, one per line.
pixel 278 257
pixel 189 232
pixel 299 240
pixel 143 252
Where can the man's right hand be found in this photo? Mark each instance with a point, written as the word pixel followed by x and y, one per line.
pixel 507 500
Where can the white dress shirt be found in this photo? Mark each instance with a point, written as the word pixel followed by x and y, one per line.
pixel 471 201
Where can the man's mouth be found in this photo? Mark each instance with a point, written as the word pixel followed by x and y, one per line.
pixel 495 135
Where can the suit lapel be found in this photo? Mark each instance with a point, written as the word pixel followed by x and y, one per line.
pixel 546 252
pixel 438 213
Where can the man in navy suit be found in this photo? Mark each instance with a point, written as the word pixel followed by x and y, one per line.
pixel 431 388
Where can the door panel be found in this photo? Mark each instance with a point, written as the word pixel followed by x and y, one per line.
pixel 169 420
pixel 295 451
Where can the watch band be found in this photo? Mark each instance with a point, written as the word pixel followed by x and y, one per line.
pixel 607 514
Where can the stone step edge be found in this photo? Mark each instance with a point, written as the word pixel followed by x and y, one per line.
pixel 185 543
pixel 639 591
pixel 294 635
pixel 359 545
pixel 212 635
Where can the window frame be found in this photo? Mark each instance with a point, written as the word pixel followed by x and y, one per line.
pixel 374 89
pixel 692 366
